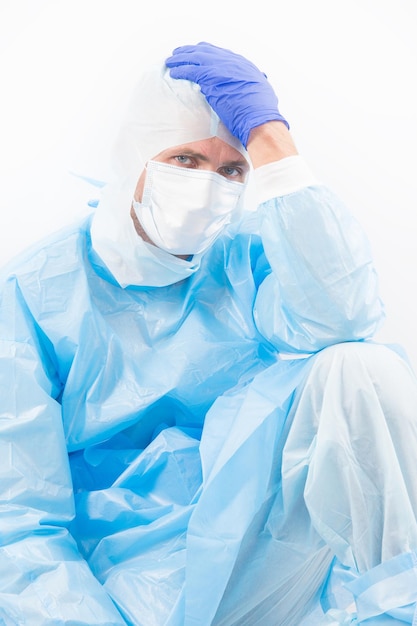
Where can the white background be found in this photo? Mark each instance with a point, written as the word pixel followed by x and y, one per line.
pixel 345 74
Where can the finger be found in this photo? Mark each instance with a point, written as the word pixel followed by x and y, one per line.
pixel 201 51
pixel 186 72
pixel 181 59
pixel 172 62
pixel 184 49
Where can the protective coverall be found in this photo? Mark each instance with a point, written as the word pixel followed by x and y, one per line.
pixel 225 449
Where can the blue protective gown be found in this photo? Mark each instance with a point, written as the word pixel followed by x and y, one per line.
pixel 106 495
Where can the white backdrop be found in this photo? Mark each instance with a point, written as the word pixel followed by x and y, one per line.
pixel 344 72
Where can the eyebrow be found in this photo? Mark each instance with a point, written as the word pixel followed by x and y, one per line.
pixel 193 153
pixel 242 163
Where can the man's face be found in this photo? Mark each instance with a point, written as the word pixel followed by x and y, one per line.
pixel 214 155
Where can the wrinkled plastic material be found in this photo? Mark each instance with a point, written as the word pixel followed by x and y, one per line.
pixel 149 473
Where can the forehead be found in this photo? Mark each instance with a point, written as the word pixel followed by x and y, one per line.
pixel 213 148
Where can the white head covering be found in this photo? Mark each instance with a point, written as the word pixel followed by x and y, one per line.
pixel 163 112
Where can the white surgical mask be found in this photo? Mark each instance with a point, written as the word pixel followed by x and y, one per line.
pixel 184 210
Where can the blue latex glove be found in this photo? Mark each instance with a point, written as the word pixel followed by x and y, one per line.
pixel 234 87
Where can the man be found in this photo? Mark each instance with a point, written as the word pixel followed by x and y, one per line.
pixel 196 427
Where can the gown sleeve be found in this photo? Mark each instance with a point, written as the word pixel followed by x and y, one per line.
pixel 43 579
pixel 323 288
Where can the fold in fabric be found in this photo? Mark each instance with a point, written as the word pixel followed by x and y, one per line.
pixel 142 428
pixel 389 588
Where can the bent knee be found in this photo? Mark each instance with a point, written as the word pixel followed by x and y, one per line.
pixel 372 355
pixel 357 361
pixel 361 388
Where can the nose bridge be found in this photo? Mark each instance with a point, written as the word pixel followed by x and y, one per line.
pixel 211 161
pixel 217 153
pixel 211 165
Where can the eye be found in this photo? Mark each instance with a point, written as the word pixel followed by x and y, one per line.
pixel 183 160
pixel 231 171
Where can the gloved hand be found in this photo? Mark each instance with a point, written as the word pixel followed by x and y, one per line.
pixel 233 86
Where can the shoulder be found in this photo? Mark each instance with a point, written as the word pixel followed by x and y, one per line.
pixel 58 252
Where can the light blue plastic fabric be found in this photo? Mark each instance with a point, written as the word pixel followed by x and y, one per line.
pixel 389 588
pixel 112 511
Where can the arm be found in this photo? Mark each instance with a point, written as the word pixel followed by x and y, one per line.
pixel 43 578
pixel 323 287
pixel 269 143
